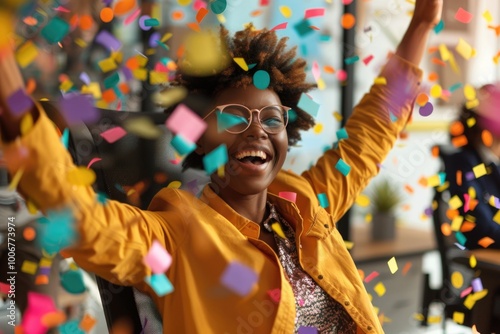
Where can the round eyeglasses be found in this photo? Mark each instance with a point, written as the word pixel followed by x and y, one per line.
pixel 236 118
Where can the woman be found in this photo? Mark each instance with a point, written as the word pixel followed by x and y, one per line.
pixel 244 260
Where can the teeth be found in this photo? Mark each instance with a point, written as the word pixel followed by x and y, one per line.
pixel 245 154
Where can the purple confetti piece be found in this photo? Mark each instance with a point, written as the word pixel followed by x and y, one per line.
pixel 78 108
pixel 142 22
pixel 154 39
pixel 426 110
pixel 85 78
pixel 239 278
pixel 477 284
pixel 428 211
pixel 109 41
pixel 470 176
pixel 127 73
pixel 44 271
pixel 307 330
pixel 19 102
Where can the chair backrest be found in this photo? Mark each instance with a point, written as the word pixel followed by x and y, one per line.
pixel 127 162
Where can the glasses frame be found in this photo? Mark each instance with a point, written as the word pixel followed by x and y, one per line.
pixel 221 108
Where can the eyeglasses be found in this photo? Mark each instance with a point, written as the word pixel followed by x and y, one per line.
pixel 236 118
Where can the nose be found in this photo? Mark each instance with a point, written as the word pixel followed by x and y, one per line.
pixel 255 130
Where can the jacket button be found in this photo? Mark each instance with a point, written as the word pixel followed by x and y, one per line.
pixel 346 303
pixel 369 328
pixel 326 225
pixel 320 276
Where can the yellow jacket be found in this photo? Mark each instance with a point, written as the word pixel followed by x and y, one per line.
pixel 204 234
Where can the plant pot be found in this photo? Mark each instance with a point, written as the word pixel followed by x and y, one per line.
pixel 383 226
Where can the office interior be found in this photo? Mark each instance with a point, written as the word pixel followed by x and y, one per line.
pixel 345 47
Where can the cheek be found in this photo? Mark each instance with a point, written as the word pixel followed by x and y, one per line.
pixel 211 139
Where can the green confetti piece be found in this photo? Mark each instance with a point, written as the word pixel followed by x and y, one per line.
pixel 303 28
pixel 351 60
pixel 213 160
pixel 151 22
pixel 439 27
pixel 218 6
pixel 55 30
pixel 181 145
pixel 111 81
pixel 342 167
pixel 323 200
pixel 342 134
pixel 261 79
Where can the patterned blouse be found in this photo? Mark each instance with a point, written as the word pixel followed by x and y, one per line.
pixel 314 307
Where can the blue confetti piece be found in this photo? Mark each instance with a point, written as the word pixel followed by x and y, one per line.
pixel 439 27
pixel 213 160
pixel 181 145
pixel 308 105
pixel 342 167
pixel 239 278
pixel 323 200
pixel 342 134
pixel 226 121
pixel 261 79
pixel 351 60
pixel 160 284
pixel 65 138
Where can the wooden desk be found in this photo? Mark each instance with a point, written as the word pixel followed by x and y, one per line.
pixel 403 296
pixel 408 242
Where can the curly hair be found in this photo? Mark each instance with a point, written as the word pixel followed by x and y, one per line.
pixel 268 53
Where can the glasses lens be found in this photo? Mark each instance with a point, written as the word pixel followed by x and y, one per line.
pixel 234 118
pixel 273 118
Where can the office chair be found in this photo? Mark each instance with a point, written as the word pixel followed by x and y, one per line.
pixel 451 259
pixel 131 161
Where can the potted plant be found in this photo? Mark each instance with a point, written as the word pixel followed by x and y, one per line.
pixel 385 197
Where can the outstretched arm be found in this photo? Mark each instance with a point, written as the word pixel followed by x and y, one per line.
pixel 427 14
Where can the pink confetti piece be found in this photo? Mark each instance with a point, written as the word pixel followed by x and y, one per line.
pixel 289 195
pixel 465 292
pixel 113 134
pixel 367 59
pixel 315 71
pixel 62 9
pixel 93 161
pixel 132 17
pixel 199 4
pixel 371 276
pixel 157 258
pixel 467 202
pixel 275 295
pixel 187 123
pixel 463 16
pixel 341 75
pixel 314 12
pixel 280 26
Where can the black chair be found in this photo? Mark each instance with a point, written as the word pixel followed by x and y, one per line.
pixel 451 259
pixel 127 162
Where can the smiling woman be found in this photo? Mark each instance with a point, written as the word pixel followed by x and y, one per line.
pixel 239 258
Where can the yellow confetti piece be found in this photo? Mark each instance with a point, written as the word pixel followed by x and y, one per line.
pixel 318 128
pixel 221 18
pixel 472 104
pixel 496 217
pixel 321 84
pixel 241 63
pixel 435 319
pixel 469 92
pixel 472 261
pixel 276 227
pixel 455 202
pixel 81 176
pixel 380 81
pixel 26 124
pixel 66 85
pixel 393 265
pixel 107 65
pixel 380 289
pixel 464 49
pixel 285 11
pixel 456 223
pixel 479 170
pixel 337 116
pixel 434 181
pixel 26 54
pixel 15 180
pixel 32 208
pixel 444 52
pixel 363 200
pixel 457 280
pixel 29 267
pixel 487 16
pixel 5 27
pixel 348 244
pixel 174 184
pixel 220 171
pixel 45 262
pixel 140 74
pixel 458 317
pixel 158 78
pixel 436 91
pixel 93 88
pixel 368 217
pixel 471 122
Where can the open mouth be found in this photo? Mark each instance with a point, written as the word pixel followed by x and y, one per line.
pixel 252 157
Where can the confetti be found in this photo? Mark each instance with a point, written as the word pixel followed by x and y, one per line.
pixel 55 30
pixel 157 258
pixel 371 276
pixel 215 158
pixel 343 167
pixel 187 123
pixel 72 281
pixel 285 11
pixel 160 284
pixel 379 288
pixel 288 195
pixel 477 284
pixel 323 200
pixel 38 306
pixel 314 12
pixel 307 104
pixel 347 21
pixel 458 317
pixel 393 265
pixel 261 79
pixel 463 16
pixel 239 278
pixel 81 176
pixel 114 134
pixel 181 145
pixel 307 330
pixel 19 102
pixel 457 280
pixel 426 110
pixel 486 242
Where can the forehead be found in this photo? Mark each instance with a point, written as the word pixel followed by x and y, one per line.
pixel 249 96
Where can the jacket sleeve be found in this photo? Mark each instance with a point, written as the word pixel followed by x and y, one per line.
pixel 372 130
pixel 111 237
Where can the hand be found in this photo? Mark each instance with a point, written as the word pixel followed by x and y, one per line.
pixel 428 12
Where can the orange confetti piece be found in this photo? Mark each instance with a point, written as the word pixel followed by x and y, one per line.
pixel 485 242
pixel 361 274
pixel 487 138
pixel 459 141
pixel 177 15
pixel 452 213
pixel 42 280
pixel 200 15
pixel 328 69
pixel 446 229
pixel 124 6
pixel 438 61
pixel 467 226
pixel 132 63
pixel 88 322
pixel 106 15
pixel 53 319
pixel 194 26
pixel 433 76
pixel 409 188
pixel 109 95
pixel 459 177
pixel 86 22
pixel 423 181
pixel 348 21
pixel 406 268
pixel 456 128
pixel 29 233
pixel 30 86
pixel 422 99
pixel 472 204
pixel 435 151
pixel 256 13
pixel 124 88
pixel 432 49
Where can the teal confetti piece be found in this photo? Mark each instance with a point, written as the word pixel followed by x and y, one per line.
pixel 58 232
pixel 292 116
pixel 455 87
pixel 151 22
pixel 261 79
pixel 250 66
pixel 213 160
pixel 342 167
pixel 55 30
pixel 71 327
pixel 181 145
pixel 111 81
pixel 325 38
pixel 351 60
pixel 442 178
pixel 225 121
pixel 218 6
pixel 65 138
pixel 303 28
pixel 323 200
pixel 393 117
pixel 460 238
pixel 303 49
pixel 342 134
pixel 72 281
pixel 160 284
pixel 102 198
pixel 308 105
pixel 439 27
